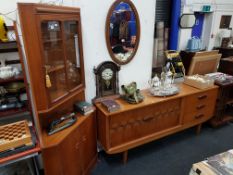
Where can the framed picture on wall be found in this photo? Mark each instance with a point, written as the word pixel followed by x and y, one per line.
pixel 225 21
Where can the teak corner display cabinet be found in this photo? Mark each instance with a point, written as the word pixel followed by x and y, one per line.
pixel 53 46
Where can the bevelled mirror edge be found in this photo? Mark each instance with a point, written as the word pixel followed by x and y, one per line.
pixel 107 31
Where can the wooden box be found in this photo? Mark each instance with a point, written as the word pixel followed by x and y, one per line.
pixel 206 83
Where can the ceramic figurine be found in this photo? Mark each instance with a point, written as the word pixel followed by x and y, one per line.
pixel 154 82
pixel 131 94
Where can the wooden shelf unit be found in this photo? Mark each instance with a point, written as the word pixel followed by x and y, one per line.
pixel 16 156
pixel 225 98
pixel 19 77
pixel 56 68
pixel 51 40
pixel 14 113
pixel 9 46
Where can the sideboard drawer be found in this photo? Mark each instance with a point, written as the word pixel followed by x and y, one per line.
pixel 200 101
pixel 198 116
pixel 134 124
pixel 199 107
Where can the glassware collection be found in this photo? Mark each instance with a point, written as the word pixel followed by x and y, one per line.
pixel 163 86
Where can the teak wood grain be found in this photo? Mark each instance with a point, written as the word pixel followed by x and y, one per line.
pixel 154 118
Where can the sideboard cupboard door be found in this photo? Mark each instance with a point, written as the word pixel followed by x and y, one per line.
pixel 139 123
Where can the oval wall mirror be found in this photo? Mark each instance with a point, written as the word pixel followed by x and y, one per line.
pixel 122 31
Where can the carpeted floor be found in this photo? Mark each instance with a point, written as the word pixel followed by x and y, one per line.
pixel 173 155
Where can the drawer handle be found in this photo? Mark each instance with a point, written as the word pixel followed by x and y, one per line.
pixel 201 97
pixel 199 116
pixel 84 138
pixel 200 106
pixel 147 119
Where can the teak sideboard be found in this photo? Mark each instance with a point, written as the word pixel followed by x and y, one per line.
pixel 154 118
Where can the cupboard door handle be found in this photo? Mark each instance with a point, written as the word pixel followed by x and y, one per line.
pixel 200 106
pixel 147 119
pixel 202 97
pixel 199 116
pixel 84 138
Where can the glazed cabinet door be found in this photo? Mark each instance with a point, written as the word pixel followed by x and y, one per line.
pixel 71 38
pixel 54 62
pixel 62 55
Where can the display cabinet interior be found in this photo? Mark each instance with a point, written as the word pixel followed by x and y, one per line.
pixel 56 61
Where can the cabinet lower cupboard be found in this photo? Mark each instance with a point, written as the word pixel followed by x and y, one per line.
pixel 154 118
pixel 73 152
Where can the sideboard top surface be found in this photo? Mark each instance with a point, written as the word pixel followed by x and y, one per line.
pixel 185 90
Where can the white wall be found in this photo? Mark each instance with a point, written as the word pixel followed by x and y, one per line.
pixel 184 34
pixel 93 15
pixel 215 39
pixel 211 21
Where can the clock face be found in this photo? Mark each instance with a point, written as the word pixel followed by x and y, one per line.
pixel 107 74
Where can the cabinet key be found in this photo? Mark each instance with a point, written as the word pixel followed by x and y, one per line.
pixel 199 116
pixel 202 97
pixel 147 119
pixel 84 138
pixel 200 106
pixel 77 145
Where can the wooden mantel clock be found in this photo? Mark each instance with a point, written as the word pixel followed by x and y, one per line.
pixel 107 85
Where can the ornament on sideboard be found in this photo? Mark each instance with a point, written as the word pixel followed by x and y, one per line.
pixel 107 85
pixel 163 86
pixel 131 94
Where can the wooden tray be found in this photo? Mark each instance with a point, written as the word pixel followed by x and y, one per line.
pixel 15 135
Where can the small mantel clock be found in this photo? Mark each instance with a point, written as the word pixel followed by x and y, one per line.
pixel 107 85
